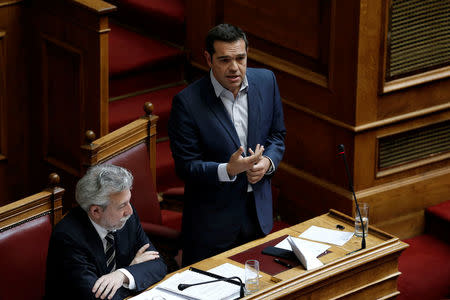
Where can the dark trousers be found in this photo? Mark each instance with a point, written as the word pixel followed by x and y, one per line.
pixel 249 231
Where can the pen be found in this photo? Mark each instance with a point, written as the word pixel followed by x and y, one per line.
pixel 282 263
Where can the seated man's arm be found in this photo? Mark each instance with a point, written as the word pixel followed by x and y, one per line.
pixel 77 271
pixel 146 266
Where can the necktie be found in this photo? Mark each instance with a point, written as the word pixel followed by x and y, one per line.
pixel 110 253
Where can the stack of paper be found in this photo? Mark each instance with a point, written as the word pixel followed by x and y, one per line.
pixel 214 290
pixel 326 235
pixel 307 257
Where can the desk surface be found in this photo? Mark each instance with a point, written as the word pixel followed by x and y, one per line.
pixel 369 273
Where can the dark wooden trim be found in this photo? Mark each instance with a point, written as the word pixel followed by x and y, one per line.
pixel 3 114
pixel 372 125
pixel 10 2
pixel 45 39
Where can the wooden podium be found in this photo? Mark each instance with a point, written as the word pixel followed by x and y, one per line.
pixel 366 274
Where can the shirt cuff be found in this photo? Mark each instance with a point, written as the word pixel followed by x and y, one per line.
pixel 131 284
pixel 223 174
pixel 272 166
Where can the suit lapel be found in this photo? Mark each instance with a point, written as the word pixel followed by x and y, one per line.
pixel 95 243
pixel 217 107
pixel 254 114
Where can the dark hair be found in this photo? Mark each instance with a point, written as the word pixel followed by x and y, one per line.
pixel 225 33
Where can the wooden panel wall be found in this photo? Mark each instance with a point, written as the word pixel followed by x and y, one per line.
pixel 329 57
pixel 71 55
pixel 14 102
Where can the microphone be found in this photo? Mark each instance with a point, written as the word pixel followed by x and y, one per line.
pixel 341 152
pixel 183 286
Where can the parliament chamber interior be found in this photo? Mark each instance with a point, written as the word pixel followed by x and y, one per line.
pixel 85 82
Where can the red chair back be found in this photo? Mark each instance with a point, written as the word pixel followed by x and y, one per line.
pixel 25 230
pixel 23 250
pixel 143 195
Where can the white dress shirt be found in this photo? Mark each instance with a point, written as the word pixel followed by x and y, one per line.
pixel 237 109
pixel 102 232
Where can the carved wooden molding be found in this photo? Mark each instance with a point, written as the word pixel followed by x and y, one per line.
pixel 365 193
pixel 87 14
pixel 9 2
pixel 386 247
pixel 371 125
pixel 406 82
pixel 398 184
pixel 294 171
pixel 45 42
pixel 288 67
pixel 138 131
pixel 402 83
pixel 97 6
pixel 31 207
pixel 412 165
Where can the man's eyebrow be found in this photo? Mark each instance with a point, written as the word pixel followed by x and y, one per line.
pixel 228 56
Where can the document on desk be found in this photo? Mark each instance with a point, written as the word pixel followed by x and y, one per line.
pixel 229 270
pixel 314 248
pixel 209 291
pixel 156 293
pixel 325 235
pixel 308 259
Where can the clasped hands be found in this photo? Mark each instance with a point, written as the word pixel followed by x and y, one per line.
pixel 107 285
pixel 255 165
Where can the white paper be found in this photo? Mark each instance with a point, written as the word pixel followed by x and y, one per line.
pixel 229 270
pixel 209 291
pixel 325 235
pixel 307 258
pixel 154 293
pixel 315 248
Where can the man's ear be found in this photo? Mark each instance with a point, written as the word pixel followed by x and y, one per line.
pixel 208 58
pixel 96 212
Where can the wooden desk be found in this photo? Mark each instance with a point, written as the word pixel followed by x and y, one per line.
pixel 367 274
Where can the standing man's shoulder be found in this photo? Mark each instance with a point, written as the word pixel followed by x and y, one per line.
pixel 196 88
pixel 256 74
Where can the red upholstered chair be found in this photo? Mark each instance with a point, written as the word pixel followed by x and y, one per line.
pixel 133 147
pixel 25 229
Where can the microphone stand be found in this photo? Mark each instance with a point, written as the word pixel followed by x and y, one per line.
pixel 341 151
pixel 183 286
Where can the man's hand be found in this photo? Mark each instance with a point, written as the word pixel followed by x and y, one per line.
pixel 107 285
pixel 142 255
pixel 257 171
pixel 238 164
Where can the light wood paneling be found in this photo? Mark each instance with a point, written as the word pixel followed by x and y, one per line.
pixel 270 22
pixel 62 68
pixel 70 52
pixel 329 59
pixel 49 201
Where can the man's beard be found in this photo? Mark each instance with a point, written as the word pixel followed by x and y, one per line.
pixel 123 221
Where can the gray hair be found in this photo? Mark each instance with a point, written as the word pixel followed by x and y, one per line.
pixel 99 183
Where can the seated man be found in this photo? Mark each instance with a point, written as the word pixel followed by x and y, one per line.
pixel 99 249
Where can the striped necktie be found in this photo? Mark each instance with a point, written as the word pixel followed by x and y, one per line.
pixel 110 253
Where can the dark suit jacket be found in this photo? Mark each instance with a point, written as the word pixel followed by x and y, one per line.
pixel 76 258
pixel 202 135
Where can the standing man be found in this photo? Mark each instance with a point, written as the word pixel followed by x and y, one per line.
pixel 99 250
pixel 227 138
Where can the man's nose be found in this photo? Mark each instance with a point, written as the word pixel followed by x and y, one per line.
pixel 129 210
pixel 233 65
